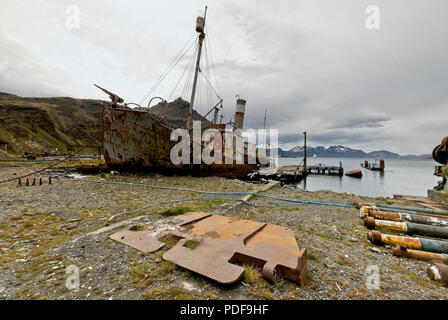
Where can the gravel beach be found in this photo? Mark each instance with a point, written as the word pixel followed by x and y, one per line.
pixel 46 228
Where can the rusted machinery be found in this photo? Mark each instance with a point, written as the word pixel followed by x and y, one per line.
pixel 438 272
pixel 440 152
pixel 216 246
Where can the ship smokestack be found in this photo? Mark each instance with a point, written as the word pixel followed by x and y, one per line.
pixel 239 113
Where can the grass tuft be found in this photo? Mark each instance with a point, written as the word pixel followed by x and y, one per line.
pixel 191 244
pixel 175 212
pixel 136 228
pixel 250 274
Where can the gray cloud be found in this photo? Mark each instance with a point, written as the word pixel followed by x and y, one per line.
pixel 312 64
pixel 360 121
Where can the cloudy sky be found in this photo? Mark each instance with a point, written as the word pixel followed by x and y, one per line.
pixel 312 63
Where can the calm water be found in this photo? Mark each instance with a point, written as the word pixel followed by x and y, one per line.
pixel 406 177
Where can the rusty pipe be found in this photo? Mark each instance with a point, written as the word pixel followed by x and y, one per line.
pixel 415 209
pixel 438 272
pixel 402 251
pixel 431 245
pixel 404 217
pixel 376 237
pixel 373 223
pixel 408 227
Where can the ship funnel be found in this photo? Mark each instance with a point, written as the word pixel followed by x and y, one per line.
pixel 239 113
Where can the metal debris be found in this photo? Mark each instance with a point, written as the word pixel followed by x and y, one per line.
pixel 402 251
pixel 222 245
pixel 438 272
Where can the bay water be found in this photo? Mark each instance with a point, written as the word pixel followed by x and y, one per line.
pixel 400 176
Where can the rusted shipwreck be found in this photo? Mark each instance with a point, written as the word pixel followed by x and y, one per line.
pixel 137 138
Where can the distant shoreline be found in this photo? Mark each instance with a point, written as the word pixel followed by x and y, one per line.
pixel 425 157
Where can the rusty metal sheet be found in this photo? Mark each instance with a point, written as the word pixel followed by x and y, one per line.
pixel 142 240
pixel 146 239
pixel 223 245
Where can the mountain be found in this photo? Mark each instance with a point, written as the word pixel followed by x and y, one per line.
pixel 342 152
pixel 175 113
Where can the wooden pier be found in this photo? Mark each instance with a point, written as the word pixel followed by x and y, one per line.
pixel 326 170
pixel 297 173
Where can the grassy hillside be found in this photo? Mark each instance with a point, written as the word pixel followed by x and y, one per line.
pixel 47 124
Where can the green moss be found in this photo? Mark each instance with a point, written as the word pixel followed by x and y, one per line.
pixel 211 296
pixel 267 295
pixel 97 291
pixel 167 267
pixel 191 244
pixel 169 241
pixel 136 228
pixel 141 271
pixel 312 256
pixel 250 274
pixel 173 293
pixel 175 212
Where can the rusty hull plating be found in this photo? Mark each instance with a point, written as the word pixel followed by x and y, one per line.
pixel 224 244
pixel 136 139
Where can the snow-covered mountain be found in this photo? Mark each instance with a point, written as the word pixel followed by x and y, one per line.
pixel 336 151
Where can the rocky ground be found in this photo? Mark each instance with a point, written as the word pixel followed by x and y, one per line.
pixel 44 229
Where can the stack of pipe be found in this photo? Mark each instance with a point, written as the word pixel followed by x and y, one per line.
pixel 411 221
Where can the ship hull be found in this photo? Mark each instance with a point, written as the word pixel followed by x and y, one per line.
pixel 134 140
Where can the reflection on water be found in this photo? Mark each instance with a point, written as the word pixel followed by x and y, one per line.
pixel 405 177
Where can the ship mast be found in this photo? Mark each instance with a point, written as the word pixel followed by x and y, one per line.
pixel 200 25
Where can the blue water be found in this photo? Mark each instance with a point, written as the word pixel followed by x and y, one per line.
pixel 405 177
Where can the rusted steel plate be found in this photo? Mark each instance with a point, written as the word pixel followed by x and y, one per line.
pixel 223 245
pixel 145 238
pixel 142 240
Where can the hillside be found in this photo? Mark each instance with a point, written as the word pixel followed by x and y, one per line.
pixel 47 124
pixel 175 113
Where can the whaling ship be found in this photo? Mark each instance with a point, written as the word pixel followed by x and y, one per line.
pixel 137 138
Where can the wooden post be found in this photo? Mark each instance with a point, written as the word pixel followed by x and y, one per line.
pixel 304 150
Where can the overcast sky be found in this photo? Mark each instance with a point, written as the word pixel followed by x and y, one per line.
pixel 312 63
